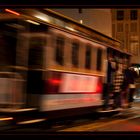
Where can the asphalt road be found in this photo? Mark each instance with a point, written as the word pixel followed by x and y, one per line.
pixel 126 120
pixel 122 121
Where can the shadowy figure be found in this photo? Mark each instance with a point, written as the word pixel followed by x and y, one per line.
pixel 125 86
pixel 108 86
pixel 131 77
pixel 118 79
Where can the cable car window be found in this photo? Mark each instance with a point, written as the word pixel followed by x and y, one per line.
pixel 99 59
pixel 134 14
pixel 75 54
pixel 35 59
pixel 120 15
pixel 59 56
pixel 8 41
pixel 88 57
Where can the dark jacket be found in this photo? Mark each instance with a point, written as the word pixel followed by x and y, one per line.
pixel 129 78
pixel 118 81
pixel 110 70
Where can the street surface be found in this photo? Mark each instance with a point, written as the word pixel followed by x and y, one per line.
pixel 126 120
pixel 121 121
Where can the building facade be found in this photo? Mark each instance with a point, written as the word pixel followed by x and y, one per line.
pixel 126 28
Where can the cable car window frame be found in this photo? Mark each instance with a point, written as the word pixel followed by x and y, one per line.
pixel 75 53
pixel 99 59
pixel 59 50
pixel 88 49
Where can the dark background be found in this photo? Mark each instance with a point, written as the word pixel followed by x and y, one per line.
pixel 71 3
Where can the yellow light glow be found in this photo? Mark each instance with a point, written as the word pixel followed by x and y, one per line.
pixel 6 119
pixel 69 28
pixel 42 18
pixel 33 22
pixel 31 121
pixel 81 21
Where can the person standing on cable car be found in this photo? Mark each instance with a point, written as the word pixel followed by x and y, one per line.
pixel 131 79
pixel 118 79
pixel 108 87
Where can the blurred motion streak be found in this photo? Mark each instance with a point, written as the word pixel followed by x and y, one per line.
pixel 49 63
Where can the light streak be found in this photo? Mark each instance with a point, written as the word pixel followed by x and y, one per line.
pixel 13 12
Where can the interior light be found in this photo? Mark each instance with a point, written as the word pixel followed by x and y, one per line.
pixel 12 12
pixel 135 69
pixel 42 18
pixel 69 28
pixel 81 21
pixel 33 22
